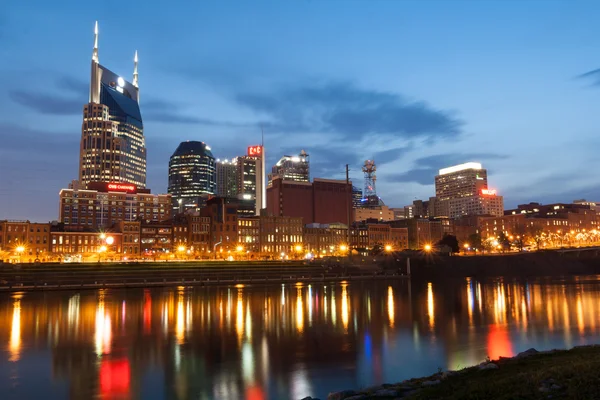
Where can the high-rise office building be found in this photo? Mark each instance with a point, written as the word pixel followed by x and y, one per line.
pixel 357 197
pixel 112 145
pixel 292 168
pixel 460 181
pixel 227 178
pixel 192 175
pixel 251 178
pixel 463 190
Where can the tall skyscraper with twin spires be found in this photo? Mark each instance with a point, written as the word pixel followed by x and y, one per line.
pixel 112 145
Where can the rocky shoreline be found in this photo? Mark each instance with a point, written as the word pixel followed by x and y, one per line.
pixel 412 388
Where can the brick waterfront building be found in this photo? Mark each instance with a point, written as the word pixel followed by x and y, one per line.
pixel 323 201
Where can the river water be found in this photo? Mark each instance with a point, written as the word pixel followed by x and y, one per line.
pixel 277 342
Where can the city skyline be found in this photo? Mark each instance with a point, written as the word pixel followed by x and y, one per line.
pixel 412 105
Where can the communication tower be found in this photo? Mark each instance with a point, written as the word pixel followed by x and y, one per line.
pixel 369 169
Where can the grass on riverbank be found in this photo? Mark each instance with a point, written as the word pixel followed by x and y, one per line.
pixel 570 374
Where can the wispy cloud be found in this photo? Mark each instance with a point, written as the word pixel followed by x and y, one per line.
pixel 46 104
pixel 592 76
pixel 346 110
pixel 390 155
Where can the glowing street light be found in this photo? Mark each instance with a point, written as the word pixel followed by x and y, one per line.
pixel 240 248
pixel 181 249
pixel 102 249
pixel 110 240
pixel 298 248
pixel 343 247
pixel 102 236
pixel 388 248
pixel 427 248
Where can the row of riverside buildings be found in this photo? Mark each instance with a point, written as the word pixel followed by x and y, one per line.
pixel 219 231
pixel 226 208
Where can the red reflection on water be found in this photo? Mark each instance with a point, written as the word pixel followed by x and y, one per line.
pixel 147 312
pixel 255 393
pixel 498 342
pixel 114 378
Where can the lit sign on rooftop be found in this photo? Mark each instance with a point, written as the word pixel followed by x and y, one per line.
pixel 461 167
pixel 488 192
pixel 121 187
pixel 255 151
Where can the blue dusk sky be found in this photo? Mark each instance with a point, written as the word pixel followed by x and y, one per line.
pixel 414 85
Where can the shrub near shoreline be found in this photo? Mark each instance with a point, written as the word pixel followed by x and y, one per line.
pixel 531 374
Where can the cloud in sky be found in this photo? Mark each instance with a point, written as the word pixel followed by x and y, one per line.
pixel 427 168
pixel 57 104
pixel 386 156
pixel 592 76
pixel 46 104
pixel 346 110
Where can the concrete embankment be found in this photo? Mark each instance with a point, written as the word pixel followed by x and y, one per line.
pixel 536 264
pixel 135 275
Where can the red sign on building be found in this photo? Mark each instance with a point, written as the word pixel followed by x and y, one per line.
pixel 255 151
pixel 121 187
pixel 489 192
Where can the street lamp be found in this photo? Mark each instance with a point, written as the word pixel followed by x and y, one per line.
pixel 20 250
pixel 388 248
pixel 427 248
pixel 466 246
pixel 343 248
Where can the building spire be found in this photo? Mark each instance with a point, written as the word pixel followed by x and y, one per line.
pixel 95 53
pixel 135 70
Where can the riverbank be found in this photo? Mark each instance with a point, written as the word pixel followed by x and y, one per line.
pixel 21 277
pixel 529 375
pixel 536 264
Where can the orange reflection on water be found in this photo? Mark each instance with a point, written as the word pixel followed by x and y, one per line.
pixel 345 311
pixel 103 331
pixel 14 345
pixel 239 321
pixel 430 305
pixel 299 312
pixel 580 322
pixel 179 323
pixel 470 302
pixel 498 342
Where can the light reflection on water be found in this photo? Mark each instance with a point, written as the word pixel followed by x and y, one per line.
pixel 277 342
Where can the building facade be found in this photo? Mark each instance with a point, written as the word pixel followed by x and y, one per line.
pixel 251 178
pixel 223 217
pixel 463 190
pixel 28 240
pixel 357 197
pixel 379 213
pixel 485 203
pixel 106 204
pixel 192 176
pixel 323 201
pixel 292 168
pixel 227 180
pixel 422 232
pixel 112 147
pixel 535 219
